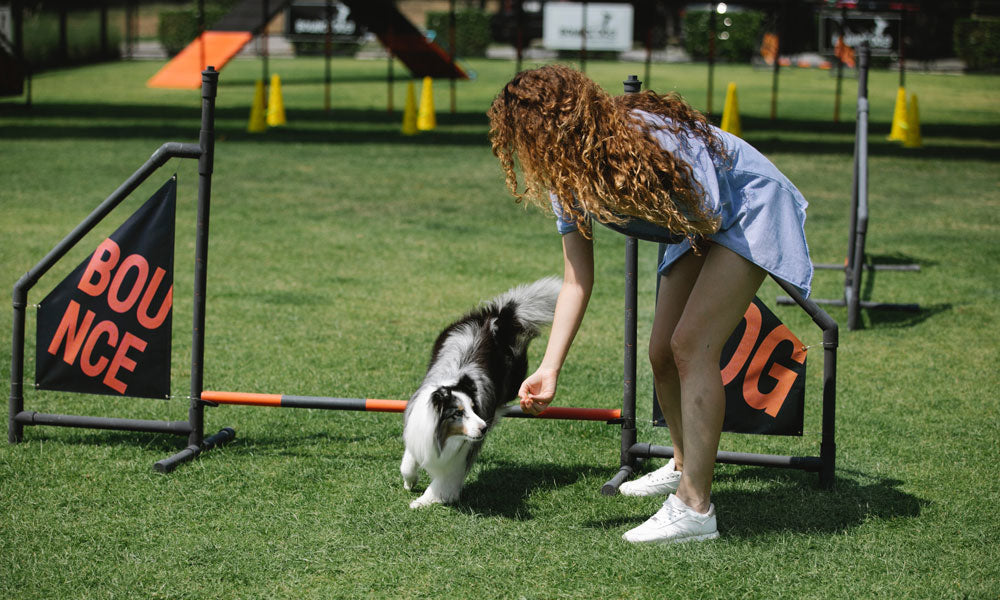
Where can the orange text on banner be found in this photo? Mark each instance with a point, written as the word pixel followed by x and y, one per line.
pixel 105 273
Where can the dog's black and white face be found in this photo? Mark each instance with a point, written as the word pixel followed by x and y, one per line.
pixel 456 416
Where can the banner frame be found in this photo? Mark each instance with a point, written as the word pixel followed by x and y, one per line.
pixel 193 428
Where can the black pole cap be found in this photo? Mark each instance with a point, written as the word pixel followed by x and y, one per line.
pixel 632 84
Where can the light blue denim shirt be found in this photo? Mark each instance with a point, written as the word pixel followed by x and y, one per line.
pixel 762 215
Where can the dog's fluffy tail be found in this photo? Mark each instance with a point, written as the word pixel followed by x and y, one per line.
pixel 533 303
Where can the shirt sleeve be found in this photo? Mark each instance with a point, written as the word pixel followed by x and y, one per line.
pixel 564 224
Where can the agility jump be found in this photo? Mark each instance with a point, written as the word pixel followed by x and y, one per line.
pixel 857 262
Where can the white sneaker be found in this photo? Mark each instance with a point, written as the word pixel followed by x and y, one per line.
pixel 660 482
pixel 675 522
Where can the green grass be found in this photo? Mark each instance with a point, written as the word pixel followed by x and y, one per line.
pixel 339 248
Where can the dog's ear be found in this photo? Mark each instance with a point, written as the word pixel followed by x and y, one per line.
pixel 441 397
pixel 466 385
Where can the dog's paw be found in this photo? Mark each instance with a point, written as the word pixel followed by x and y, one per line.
pixel 409 482
pixel 425 500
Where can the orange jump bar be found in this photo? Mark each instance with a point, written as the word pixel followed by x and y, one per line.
pixel 372 405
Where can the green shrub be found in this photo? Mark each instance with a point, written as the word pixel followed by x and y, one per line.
pixel 178 28
pixel 977 42
pixel 472 31
pixel 83 39
pixel 736 34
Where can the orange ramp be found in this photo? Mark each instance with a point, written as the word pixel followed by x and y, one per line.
pixel 210 48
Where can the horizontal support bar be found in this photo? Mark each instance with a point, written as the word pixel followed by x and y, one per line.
pixel 37 418
pixel 611 487
pixel 225 435
pixel 373 405
pixel 867 305
pixel 787 300
pixel 806 463
pixel 869 267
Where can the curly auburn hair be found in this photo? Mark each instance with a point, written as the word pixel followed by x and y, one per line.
pixel 589 149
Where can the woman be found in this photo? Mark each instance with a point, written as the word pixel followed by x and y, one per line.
pixel 648 164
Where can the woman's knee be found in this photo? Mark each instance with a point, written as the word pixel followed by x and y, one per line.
pixel 661 359
pixel 690 349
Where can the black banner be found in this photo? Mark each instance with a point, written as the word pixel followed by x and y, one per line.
pixel 764 372
pixel 106 328
pixel 763 369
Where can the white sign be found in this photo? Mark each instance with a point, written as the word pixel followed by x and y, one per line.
pixel 608 26
pixel 5 26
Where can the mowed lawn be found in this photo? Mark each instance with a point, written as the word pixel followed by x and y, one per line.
pixel 339 249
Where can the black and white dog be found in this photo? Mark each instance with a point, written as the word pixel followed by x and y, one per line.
pixel 477 366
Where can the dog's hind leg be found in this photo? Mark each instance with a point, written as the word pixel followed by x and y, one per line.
pixel 410 471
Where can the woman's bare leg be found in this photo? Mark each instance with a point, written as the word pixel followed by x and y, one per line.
pixel 675 288
pixel 725 286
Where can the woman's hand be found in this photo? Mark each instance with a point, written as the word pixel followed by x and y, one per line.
pixel 538 390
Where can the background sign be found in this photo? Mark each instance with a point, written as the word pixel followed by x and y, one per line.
pixel 609 26
pixel 880 30
pixel 306 21
pixel 106 328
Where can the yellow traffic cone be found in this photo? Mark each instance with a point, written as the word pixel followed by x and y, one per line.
pixel 898 131
pixel 425 117
pixel 410 111
pixel 913 138
pixel 275 105
pixel 731 112
pixel 257 122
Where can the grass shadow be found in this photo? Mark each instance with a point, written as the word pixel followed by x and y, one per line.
pixel 791 501
pixel 753 501
pixel 81 436
pixel 502 488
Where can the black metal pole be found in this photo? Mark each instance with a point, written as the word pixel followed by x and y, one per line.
pixel 201 33
pixel 863 56
pixel 711 58
pixel 15 404
pixel 779 26
pixel 859 214
pixel 327 50
pixel 805 463
pixel 629 435
pixel 263 40
pixel 452 50
pixel 902 49
pixel 206 163
pixel 389 75
pixel 519 25
pixel 831 339
pixel 828 446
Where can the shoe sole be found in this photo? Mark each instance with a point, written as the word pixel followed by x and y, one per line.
pixel 637 494
pixel 693 538
pixel 668 541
